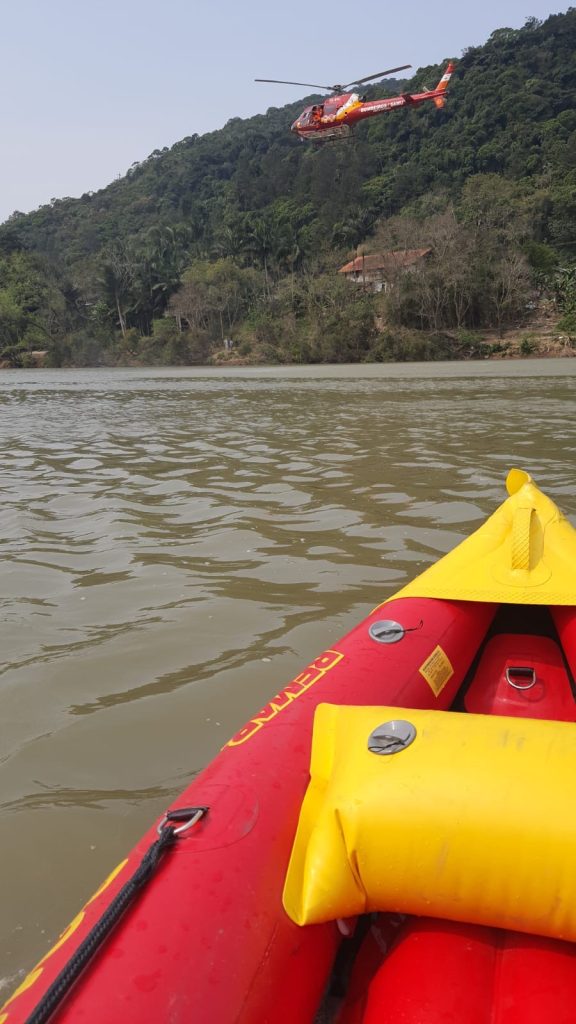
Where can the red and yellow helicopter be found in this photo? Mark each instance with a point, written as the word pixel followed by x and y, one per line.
pixel 335 117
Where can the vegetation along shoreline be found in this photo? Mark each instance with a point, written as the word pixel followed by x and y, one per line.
pixel 433 234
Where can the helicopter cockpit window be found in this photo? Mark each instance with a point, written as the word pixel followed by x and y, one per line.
pixel 306 117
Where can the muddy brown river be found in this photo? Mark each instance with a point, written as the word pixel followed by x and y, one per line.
pixel 177 544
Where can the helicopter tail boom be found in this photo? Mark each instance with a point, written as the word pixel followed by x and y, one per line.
pixel 437 94
pixel 443 83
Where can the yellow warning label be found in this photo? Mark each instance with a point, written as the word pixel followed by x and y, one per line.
pixel 437 670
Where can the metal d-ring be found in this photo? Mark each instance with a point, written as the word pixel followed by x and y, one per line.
pixel 189 815
pixel 524 672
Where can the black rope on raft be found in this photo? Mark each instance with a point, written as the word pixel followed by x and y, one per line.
pixel 410 629
pixel 168 836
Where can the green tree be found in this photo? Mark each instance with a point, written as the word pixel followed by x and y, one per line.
pixel 214 296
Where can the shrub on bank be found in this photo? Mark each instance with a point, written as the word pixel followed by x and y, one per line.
pixel 412 347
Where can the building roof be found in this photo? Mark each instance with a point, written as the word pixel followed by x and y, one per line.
pixel 388 261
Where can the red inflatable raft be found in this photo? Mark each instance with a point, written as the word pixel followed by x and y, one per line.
pixel 488 630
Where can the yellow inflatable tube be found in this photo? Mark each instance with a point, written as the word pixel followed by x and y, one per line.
pixel 473 820
pixel 525 553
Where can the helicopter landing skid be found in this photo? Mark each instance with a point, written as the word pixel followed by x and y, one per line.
pixel 337 133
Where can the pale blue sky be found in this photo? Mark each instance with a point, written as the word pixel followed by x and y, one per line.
pixel 86 89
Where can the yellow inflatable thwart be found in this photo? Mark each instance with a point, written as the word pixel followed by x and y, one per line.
pixel 465 817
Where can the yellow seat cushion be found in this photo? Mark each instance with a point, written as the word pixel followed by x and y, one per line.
pixel 474 821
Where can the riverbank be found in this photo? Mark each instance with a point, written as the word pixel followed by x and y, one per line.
pixel 539 338
pixel 403 346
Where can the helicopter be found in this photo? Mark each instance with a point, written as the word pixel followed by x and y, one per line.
pixel 335 117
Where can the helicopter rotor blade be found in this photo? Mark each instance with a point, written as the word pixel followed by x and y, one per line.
pixel 334 88
pixel 380 74
pixel 282 81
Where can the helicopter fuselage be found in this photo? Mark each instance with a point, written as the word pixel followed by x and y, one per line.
pixel 336 115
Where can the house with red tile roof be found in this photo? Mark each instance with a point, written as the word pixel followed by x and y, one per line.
pixel 380 271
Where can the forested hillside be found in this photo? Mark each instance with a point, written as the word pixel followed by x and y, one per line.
pixel 240 233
